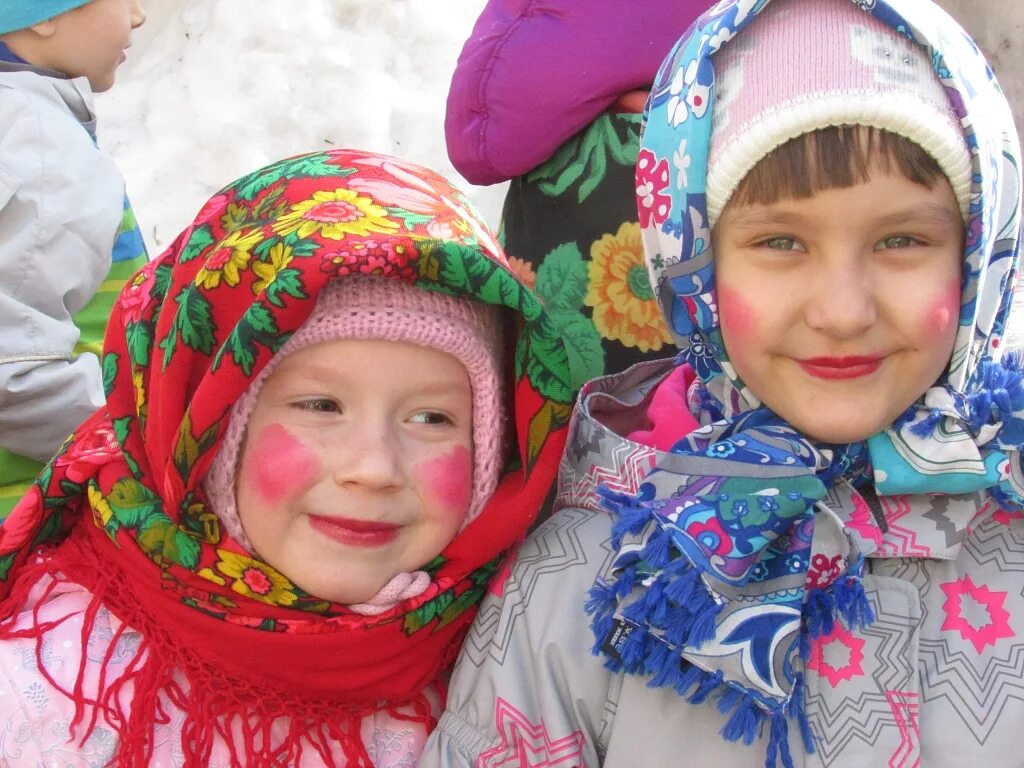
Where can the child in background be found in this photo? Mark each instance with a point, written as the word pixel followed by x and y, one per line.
pixel 544 94
pixel 267 546
pixel 68 238
pixel 812 557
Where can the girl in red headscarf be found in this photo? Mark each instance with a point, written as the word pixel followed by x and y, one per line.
pixel 267 547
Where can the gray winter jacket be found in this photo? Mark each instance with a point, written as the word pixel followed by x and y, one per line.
pixel 61 204
pixel 937 680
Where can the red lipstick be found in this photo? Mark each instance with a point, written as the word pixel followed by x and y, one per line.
pixel 832 368
pixel 356 533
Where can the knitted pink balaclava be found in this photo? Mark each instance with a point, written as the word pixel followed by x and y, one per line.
pixel 380 308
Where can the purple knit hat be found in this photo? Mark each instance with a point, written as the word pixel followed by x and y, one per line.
pixel 381 308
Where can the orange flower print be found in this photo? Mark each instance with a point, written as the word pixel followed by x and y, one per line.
pixel 620 292
pixel 335 215
pixel 523 270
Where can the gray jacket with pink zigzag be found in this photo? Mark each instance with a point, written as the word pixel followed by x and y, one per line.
pixel 937 680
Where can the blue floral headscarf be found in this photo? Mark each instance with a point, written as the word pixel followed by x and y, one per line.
pixel 739 520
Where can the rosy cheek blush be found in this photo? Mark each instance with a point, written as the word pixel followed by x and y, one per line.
pixel 943 312
pixel 280 465
pixel 449 479
pixel 739 319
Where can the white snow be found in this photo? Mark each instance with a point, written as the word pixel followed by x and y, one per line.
pixel 213 89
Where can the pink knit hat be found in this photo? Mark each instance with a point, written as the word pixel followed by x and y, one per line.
pixel 802 65
pixel 381 308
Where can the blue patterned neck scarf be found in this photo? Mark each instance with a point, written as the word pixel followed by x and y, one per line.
pixel 719 581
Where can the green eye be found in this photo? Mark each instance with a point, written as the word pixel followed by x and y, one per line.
pixel 897 241
pixel 780 243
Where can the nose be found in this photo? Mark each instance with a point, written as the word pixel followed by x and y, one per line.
pixel 138 14
pixel 842 301
pixel 372 464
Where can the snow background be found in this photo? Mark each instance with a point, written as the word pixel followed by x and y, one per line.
pixel 214 89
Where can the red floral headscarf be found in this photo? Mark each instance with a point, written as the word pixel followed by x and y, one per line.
pixel 121 511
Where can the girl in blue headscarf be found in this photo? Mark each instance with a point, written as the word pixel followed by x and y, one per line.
pixel 800 544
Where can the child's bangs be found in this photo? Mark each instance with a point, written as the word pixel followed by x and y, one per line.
pixel 834 157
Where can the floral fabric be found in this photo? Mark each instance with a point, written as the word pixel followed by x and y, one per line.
pixel 120 510
pixel 570 229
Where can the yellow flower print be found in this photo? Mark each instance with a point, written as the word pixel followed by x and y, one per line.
pixel 228 259
pixel 625 309
pixel 335 215
pixel 280 257
pixel 211 575
pixel 139 383
pixel 255 579
pixel 100 506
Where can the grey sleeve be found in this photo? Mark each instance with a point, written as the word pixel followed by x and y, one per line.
pixel 60 206
pixel 526 682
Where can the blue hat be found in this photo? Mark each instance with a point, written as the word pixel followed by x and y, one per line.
pixel 19 14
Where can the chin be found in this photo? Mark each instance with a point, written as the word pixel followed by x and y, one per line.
pixel 102 85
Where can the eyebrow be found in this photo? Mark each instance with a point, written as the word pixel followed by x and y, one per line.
pixel 928 212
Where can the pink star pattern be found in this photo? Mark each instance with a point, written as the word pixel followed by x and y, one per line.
pixel 899 540
pixel 836 675
pixel 863 522
pixel 528 745
pixel 905 709
pixel 998 625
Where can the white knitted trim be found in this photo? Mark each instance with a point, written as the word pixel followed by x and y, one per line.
pixel 922 123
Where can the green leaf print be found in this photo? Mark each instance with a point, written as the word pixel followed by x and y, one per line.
pixel 309 165
pixel 416 620
pixel 51 527
pixel 200 240
pixel 562 279
pixel 110 360
pixel 193 322
pixel 161 280
pixel 582 344
pixel 287 282
pixel 5 565
pixel 139 337
pixel 446 607
pixel 585 157
pixel 189 448
pixel 132 503
pixel 162 539
pixel 548 365
pixel 460 269
pixel 257 326
pixel 410 219
pixel 121 428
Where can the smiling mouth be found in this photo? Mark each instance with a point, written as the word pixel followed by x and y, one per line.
pixel 833 368
pixel 356 533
